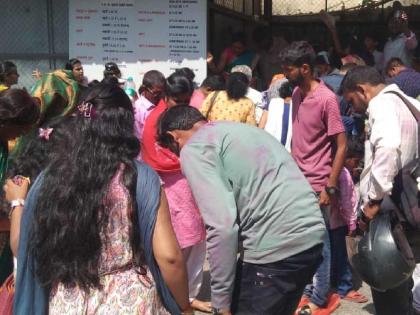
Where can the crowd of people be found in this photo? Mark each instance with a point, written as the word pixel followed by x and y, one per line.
pixel 113 202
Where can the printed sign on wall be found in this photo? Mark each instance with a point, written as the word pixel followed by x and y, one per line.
pixel 139 35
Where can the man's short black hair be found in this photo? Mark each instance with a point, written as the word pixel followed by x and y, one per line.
pixel 393 62
pixel 300 61
pixel 361 75
pixel 180 117
pixel 153 78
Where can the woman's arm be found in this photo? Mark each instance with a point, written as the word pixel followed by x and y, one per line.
pixel 329 22
pixel 263 120
pixel 250 117
pixel 169 257
pixel 217 69
pixel 14 192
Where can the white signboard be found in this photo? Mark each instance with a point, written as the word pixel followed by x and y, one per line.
pixel 139 35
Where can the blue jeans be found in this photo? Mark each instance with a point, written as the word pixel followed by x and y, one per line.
pixel 320 287
pixel 341 275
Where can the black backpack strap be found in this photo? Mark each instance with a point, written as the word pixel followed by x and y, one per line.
pixel 414 111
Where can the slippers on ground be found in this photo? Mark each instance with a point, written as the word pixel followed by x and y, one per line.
pixel 305 310
pixel 303 301
pixel 332 305
pixel 356 297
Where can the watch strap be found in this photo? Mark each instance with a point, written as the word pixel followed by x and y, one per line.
pixel 17 202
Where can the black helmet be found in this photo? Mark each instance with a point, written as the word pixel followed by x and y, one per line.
pixel 382 257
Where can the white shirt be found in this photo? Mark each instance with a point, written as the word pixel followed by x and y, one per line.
pixel 257 98
pixel 401 47
pixel 274 125
pixel 416 288
pixel 391 144
pixel 379 60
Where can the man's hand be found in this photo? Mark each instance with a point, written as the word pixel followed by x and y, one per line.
pixel 328 19
pixel 37 74
pixel 324 198
pixel 210 57
pixel 370 211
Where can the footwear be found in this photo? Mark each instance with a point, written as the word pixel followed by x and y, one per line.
pixel 356 297
pixel 303 301
pixel 305 310
pixel 333 304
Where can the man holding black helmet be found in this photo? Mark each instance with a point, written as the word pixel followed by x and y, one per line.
pixel 391 145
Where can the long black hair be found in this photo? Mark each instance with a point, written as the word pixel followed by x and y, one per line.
pixel 177 84
pixel 70 212
pixel 71 63
pixel 237 85
pixel 6 67
pixel 17 107
pixel 35 155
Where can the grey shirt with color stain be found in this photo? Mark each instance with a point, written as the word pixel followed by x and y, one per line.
pixel 253 198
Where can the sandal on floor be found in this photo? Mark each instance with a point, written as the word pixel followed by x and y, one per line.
pixel 356 297
pixel 303 301
pixel 305 310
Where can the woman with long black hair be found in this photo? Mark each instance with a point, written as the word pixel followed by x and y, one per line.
pixel 19 112
pixel 232 104
pixel 96 236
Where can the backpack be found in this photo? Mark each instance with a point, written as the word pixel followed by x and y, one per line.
pixel 406 189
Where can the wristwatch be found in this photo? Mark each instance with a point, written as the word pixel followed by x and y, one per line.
pixel 331 191
pixel 16 203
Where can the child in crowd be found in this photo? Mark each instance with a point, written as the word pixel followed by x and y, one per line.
pixel 343 222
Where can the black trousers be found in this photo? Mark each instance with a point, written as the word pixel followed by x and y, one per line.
pixel 275 288
pixel 395 301
pixel 400 299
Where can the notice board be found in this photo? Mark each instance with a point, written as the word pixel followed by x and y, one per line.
pixel 139 35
